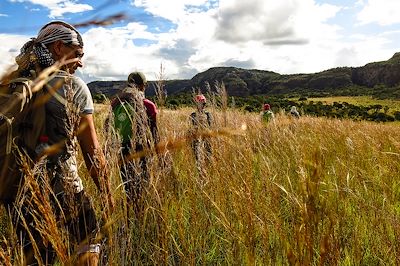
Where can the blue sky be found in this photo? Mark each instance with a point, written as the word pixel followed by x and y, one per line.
pixel 190 36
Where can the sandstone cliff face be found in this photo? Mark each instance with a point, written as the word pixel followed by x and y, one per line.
pixel 331 79
pixel 385 73
pixel 242 82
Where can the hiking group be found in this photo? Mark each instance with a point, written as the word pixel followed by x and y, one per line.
pixel 46 114
pixel 267 115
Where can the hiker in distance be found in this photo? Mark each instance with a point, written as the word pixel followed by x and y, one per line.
pixel 201 120
pixel 135 121
pixel 294 113
pixel 267 115
pixel 68 122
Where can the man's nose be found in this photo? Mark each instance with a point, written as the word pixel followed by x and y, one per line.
pixel 79 63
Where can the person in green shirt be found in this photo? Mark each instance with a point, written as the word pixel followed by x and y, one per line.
pixel 267 115
pixel 135 123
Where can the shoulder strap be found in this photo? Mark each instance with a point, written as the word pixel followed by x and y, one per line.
pixel 22 96
pixel 116 102
pixel 27 83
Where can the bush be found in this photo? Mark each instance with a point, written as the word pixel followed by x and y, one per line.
pixel 99 98
pixel 397 115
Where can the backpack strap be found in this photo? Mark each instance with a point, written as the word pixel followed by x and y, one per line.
pixel 9 134
pixel 26 93
pixel 209 118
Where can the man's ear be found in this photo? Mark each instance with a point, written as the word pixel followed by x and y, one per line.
pixel 56 49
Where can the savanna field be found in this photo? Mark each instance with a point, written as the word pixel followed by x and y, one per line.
pixel 323 189
pixel 312 191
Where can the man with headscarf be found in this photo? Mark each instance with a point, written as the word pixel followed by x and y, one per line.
pixel 69 121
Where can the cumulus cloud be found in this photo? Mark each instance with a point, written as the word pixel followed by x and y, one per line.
pixel 112 53
pixel 59 7
pixel 271 22
pixel 383 12
pixel 172 10
pixel 135 47
pixel 270 35
pixel 280 36
pixel 246 64
pixel 179 52
pixel 364 49
pixel 9 50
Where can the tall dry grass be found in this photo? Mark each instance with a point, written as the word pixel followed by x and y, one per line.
pixel 309 191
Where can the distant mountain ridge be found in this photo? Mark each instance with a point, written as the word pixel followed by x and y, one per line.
pixel 245 82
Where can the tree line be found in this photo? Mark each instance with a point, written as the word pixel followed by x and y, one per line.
pixel 346 110
pixel 375 112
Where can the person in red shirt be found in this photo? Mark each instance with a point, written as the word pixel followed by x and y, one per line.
pixel 201 120
pixel 151 110
pixel 267 115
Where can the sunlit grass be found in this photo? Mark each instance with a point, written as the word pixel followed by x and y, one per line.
pixel 305 191
pixel 394 105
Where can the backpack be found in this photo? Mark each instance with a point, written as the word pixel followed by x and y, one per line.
pixel 123 120
pixel 198 122
pixel 22 122
pixel 130 121
pixel 267 116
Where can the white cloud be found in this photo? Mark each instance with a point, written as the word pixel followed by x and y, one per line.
pixel 67 7
pixel 171 10
pixel 383 12
pixel 272 22
pixel 372 48
pixel 3 15
pixel 288 36
pixel 59 7
pixel 228 32
pixel 121 53
pixel 112 53
pixel 9 49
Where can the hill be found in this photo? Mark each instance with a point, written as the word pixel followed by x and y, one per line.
pixel 373 78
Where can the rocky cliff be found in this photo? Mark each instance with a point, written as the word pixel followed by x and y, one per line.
pixel 244 82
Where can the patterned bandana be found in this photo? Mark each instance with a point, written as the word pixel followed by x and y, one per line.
pixel 59 31
pixel 32 56
pixel 34 53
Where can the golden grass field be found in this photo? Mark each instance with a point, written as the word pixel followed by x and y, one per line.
pixel 312 191
pixel 309 191
pixel 394 105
